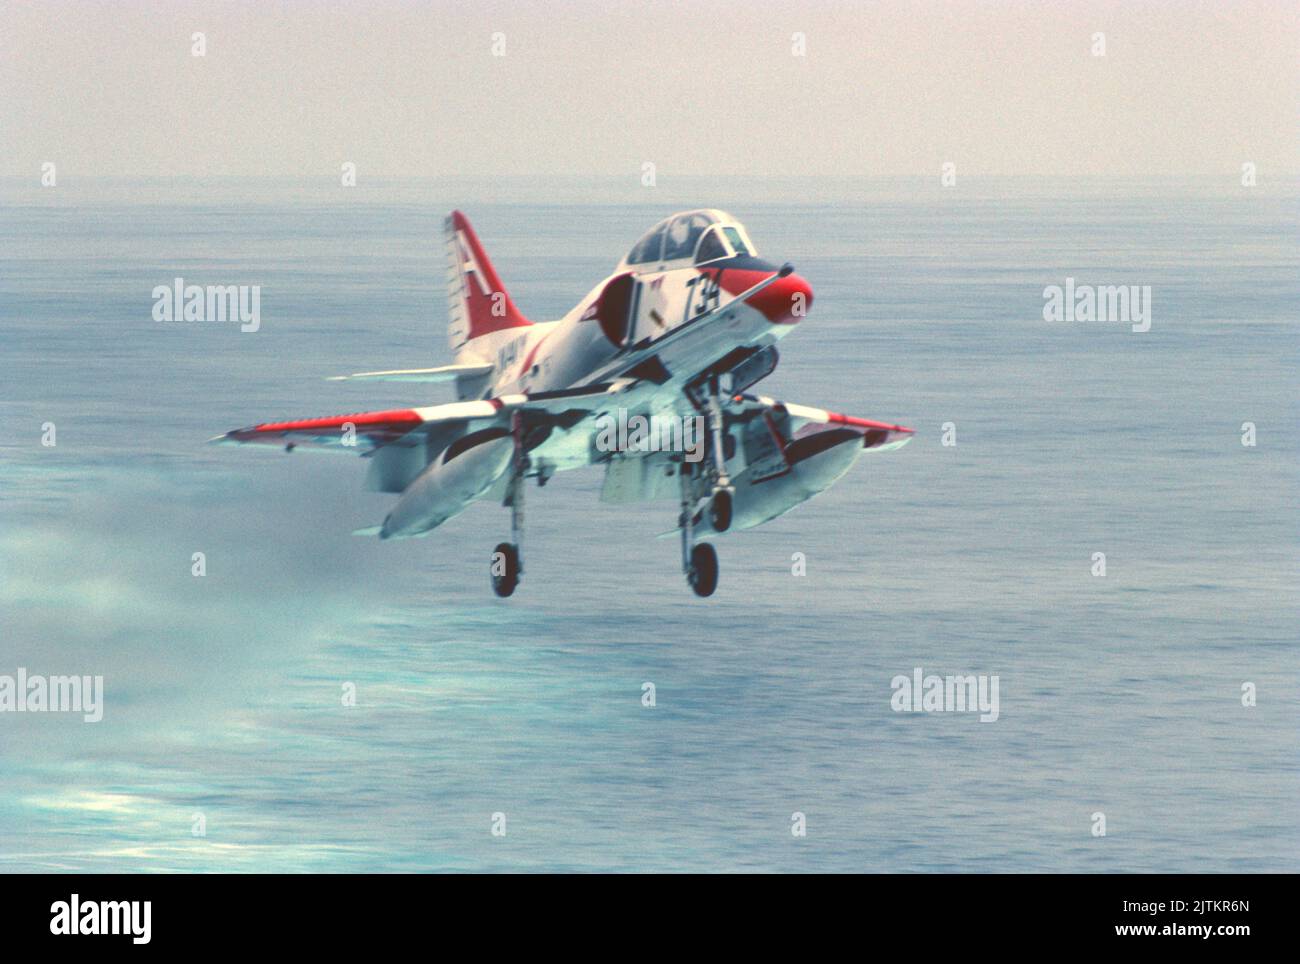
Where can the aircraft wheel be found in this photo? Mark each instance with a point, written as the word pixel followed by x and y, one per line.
pixel 505 569
pixel 703 576
pixel 720 511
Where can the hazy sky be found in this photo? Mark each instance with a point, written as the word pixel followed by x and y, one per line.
pixel 697 88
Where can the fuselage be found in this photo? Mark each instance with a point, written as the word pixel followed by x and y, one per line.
pixel 685 268
pixel 578 350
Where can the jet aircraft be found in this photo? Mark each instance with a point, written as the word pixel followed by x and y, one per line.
pixel 685 325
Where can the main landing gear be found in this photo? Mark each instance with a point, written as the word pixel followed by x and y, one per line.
pixel 507 563
pixel 505 568
pixel 699 559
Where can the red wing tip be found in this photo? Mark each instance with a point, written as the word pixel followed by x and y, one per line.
pixel 360 420
pixel 868 423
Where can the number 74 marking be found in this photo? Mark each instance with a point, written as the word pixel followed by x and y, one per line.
pixel 703 294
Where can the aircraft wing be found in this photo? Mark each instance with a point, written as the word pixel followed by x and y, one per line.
pixel 773 434
pixel 791 421
pixel 361 433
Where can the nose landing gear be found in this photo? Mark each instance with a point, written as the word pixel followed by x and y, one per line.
pixel 720 506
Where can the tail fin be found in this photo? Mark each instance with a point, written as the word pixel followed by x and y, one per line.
pixel 477 301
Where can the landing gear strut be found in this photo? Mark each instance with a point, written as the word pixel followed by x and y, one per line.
pixel 507 563
pixel 720 505
pixel 720 510
pixel 699 559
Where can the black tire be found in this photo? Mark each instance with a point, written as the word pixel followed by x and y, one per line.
pixel 506 559
pixel 720 511
pixel 703 576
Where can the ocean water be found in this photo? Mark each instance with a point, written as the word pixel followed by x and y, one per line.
pixel 1119 694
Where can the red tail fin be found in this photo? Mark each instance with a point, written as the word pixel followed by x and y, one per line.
pixel 478 302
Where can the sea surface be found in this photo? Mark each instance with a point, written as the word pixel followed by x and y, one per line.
pixel 225 743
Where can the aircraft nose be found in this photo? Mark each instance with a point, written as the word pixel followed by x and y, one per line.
pixel 785 301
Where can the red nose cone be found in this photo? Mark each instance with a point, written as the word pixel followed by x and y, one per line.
pixel 785 301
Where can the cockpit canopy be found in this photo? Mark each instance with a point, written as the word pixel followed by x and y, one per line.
pixel 690 237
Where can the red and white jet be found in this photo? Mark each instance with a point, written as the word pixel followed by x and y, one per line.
pixel 686 323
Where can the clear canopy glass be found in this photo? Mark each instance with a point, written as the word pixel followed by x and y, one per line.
pixel 691 236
